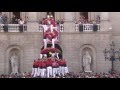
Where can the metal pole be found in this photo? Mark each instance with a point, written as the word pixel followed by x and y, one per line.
pixel 112 65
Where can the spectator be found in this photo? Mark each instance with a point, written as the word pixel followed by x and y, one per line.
pixel 14 19
pixel 21 27
pixel 5 19
pixel 98 19
pixel 1 18
pixel 21 21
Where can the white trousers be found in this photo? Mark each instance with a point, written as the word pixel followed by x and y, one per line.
pixel 38 72
pixel 45 43
pixel 53 42
pixel 33 70
pixel 49 71
pixel 63 70
pixel 66 70
pixel 54 72
pixel 35 73
pixel 43 72
pixel 60 70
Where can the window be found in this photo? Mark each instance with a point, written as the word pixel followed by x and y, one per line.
pixel 17 14
pixel 51 13
pixel 85 14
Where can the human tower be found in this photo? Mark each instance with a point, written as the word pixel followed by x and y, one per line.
pixel 50 64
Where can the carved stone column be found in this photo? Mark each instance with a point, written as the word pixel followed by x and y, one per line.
pixel 42 15
pixel 32 22
pixel 105 23
pixel 69 25
pixel 57 16
pixel 77 15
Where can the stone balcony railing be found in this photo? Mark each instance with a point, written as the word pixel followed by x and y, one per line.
pixel 19 28
pixel 60 27
pixel 13 28
pixel 87 27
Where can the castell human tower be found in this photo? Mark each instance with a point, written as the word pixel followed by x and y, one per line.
pixel 50 38
pixel 51 62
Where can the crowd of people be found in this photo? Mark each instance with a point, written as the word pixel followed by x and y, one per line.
pixel 51 66
pixel 14 19
pixel 68 75
pixel 3 18
pixel 83 20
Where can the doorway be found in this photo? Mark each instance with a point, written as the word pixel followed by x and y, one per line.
pixel 85 14
pixel 17 14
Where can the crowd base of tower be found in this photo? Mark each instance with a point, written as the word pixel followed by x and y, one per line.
pixel 49 67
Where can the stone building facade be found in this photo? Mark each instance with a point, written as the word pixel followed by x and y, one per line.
pixel 27 45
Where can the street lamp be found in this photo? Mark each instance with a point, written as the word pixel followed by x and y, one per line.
pixel 112 54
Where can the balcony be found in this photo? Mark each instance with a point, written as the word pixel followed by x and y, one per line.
pixel 87 27
pixel 78 27
pixel 13 28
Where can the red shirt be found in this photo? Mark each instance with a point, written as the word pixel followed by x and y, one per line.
pixel 35 64
pixel 40 64
pixel 49 62
pixel 63 62
pixel 59 62
pixel 43 64
pixel 55 64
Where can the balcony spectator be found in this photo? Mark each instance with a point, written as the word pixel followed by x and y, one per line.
pixel 98 19
pixel 21 27
pixel 14 20
pixel 5 19
pixel 40 22
pixel 58 22
pixel 1 18
pixel 21 21
pixel 61 21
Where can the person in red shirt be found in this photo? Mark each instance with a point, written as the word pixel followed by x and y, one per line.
pixel 33 68
pixel 54 67
pixel 49 67
pixel 65 67
pixel 39 67
pixel 62 67
pixel 43 67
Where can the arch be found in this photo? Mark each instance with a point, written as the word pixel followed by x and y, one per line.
pixel 8 52
pixel 92 51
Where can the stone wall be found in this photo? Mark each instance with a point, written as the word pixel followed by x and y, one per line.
pixel 29 43
pixel 72 43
